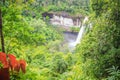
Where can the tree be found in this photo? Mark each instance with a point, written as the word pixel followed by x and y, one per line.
pixel 1 32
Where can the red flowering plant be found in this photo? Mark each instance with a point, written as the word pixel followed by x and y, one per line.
pixel 9 63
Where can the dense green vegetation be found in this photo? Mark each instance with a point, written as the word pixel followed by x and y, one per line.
pixel 71 6
pixel 99 51
pixel 31 38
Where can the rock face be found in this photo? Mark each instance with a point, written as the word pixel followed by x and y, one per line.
pixel 63 19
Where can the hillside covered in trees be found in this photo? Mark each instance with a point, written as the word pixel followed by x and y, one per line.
pixel 34 49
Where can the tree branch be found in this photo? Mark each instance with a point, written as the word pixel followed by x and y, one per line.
pixel 1 33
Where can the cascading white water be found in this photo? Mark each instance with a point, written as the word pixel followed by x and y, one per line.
pixel 81 32
pixel 59 20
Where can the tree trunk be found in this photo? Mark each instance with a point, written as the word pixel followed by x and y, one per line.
pixel 1 33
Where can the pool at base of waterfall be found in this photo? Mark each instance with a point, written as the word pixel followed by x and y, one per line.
pixel 70 40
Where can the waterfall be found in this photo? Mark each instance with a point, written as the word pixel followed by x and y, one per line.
pixel 81 32
pixel 68 22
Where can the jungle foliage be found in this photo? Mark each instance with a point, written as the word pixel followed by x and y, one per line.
pixel 31 38
pixel 100 48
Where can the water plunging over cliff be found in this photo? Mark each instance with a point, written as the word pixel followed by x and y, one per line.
pixel 81 32
pixel 72 44
pixel 70 39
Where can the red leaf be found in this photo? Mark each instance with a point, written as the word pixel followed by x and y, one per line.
pixel 13 61
pixel 17 67
pixel 3 60
pixel 23 65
